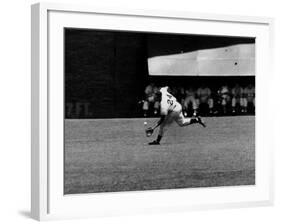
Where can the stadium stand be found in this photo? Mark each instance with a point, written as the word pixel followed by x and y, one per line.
pixel 221 100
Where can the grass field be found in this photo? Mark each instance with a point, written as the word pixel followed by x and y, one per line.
pixel 113 155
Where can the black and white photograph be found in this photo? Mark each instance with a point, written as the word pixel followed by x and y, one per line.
pixel 154 111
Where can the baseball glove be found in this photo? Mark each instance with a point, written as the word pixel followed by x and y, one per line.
pixel 149 131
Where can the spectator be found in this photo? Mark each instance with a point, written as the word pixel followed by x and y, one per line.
pixel 150 101
pixel 180 95
pixel 236 101
pixel 189 101
pixel 155 102
pixel 224 94
pixel 249 93
pixel 204 99
pixel 148 93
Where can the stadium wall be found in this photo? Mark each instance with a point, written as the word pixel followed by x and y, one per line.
pixel 104 73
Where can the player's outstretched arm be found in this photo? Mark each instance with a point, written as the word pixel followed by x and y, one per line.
pixel 162 118
pixel 149 131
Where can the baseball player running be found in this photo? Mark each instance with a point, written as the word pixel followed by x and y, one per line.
pixel 170 110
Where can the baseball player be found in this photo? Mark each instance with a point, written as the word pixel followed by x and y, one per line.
pixel 190 99
pixel 236 93
pixel 170 110
pixel 204 97
pixel 249 93
pixel 224 94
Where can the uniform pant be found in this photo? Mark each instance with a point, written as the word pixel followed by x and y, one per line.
pixel 188 100
pixel 176 116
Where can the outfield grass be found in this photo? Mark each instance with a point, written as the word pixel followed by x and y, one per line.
pixel 113 155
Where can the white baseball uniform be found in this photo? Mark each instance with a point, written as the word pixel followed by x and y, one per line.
pixel 172 110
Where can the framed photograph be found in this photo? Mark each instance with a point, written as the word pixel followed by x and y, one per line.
pixel 139 111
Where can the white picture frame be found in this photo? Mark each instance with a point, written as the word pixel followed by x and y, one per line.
pixel 48 201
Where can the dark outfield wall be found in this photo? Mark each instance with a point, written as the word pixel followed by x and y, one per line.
pixel 106 72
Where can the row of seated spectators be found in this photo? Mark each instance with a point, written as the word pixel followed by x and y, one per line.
pixel 224 100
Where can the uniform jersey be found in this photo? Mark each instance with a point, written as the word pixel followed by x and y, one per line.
pixel 189 93
pixel 168 102
pixel 250 92
pixel 203 94
pixel 237 92
pixel 224 90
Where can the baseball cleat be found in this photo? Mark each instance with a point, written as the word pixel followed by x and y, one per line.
pixel 200 121
pixel 154 143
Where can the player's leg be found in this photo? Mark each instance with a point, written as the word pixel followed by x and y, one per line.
pixel 183 121
pixel 242 104
pixel 211 105
pixel 233 104
pixel 224 104
pixel 194 106
pixel 251 104
pixel 238 104
pixel 156 107
pixel 197 102
pixel 246 104
pixel 145 107
pixel 162 129
pixel 185 106
pixel 194 103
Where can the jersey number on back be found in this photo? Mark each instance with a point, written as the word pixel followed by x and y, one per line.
pixel 169 101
